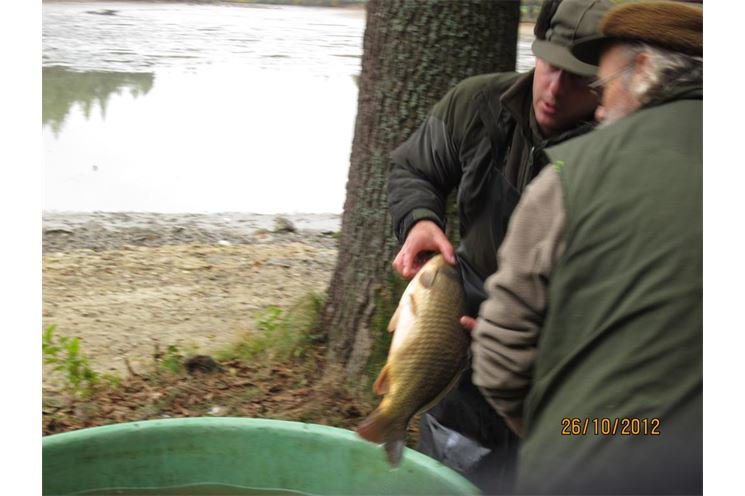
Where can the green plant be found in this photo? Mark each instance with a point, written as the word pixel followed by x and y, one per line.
pixel 298 325
pixel 63 354
pixel 173 359
pixel 270 319
pixel 282 333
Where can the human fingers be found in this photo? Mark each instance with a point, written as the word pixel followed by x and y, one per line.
pixel 398 262
pixel 447 250
pixel 405 263
pixel 468 323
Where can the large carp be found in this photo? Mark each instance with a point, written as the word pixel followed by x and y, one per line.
pixel 428 352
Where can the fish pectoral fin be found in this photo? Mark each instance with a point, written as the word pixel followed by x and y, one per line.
pixel 382 383
pixel 393 324
pixel 394 320
pixel 427 277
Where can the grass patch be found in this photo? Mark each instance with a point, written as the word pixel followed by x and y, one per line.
pixel 277 373
pixel 281 334
pixel 172 359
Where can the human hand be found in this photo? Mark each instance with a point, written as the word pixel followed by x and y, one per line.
pixel 423 237
pixel 468 323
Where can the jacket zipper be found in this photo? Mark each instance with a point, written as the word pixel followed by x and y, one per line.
pixel 526 171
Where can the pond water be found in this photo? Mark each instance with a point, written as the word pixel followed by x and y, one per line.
pixel 178 107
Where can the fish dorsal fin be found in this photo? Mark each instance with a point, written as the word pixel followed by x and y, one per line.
pixel 382 383
pixel 427 277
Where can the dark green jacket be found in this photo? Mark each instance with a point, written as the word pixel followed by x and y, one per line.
pixel 481 139
pixel 622 338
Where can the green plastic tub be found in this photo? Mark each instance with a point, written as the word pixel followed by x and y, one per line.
pixel 233 456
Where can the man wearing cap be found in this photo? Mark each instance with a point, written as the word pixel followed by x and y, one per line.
pixel 590 340
pixel 485 139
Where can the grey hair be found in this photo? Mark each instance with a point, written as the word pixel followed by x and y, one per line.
pixel 666 69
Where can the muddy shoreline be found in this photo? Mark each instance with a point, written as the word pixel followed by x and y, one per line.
pixel 128 283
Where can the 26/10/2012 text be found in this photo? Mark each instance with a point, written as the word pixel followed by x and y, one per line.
pixel 605 426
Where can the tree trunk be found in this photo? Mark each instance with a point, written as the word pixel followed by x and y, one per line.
pixel 414 51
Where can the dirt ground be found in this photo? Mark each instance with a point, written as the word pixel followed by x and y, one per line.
pixel 127 282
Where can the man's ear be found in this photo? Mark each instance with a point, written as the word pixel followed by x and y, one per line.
pixel 641 63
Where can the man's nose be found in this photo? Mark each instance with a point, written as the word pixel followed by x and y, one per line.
pixel 559 81
pixel 600 113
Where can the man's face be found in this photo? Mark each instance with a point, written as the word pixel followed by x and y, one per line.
pixel 615 73
pixel 561 99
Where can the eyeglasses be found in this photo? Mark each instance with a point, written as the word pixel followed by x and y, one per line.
pixel 597 87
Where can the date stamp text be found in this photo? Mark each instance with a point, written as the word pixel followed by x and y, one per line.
pixel 625 426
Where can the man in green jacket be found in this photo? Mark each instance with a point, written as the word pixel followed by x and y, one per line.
pixel 485 138
pixel 590 341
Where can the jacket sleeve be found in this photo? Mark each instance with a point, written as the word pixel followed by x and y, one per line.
pixel 427 166
pixel 507 329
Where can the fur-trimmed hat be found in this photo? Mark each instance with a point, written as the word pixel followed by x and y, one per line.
pixel 676 26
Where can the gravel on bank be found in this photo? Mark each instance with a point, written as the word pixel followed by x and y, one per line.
pixel 64 231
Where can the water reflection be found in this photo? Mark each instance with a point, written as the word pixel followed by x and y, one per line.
pixel 63 88
pixel 150 36
pixel 225 139
pixel 203 107
pixel 206 107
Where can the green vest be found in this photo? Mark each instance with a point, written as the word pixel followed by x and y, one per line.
pixel 622 338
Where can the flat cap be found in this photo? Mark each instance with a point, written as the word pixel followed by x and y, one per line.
pixel 676 26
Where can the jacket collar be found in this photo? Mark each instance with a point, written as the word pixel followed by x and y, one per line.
pixel 518 101
pixel 685 92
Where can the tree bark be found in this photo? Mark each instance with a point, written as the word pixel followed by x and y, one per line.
pixel 414 51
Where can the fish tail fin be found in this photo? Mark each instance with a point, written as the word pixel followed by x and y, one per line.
pixel 394 450
pixel 379 428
